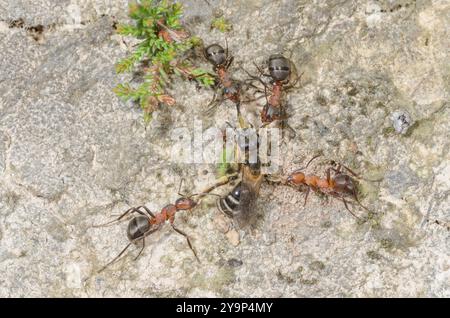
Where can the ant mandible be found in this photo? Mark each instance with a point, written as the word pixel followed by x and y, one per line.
pixel 339 185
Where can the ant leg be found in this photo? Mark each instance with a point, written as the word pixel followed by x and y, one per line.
pixel 327 200
pixel 260 70
pixel 256 77
pixel 357 175
pixel 253 99
pixel 140 252
pixel 238 109
pixel 292 85
pixel 248 84
pixel 329 175
pixel 294 133
pixel 349 170
pixel 146 210
pixel 130 210
pixel 284 124
pixel 214 103
pixel 115 258
pixel 355 196
pixel 188 241
pixel 340 166
pixel 228 63
pixel 346 206
pixel 226 48
pixel 214 97
pixel 265 94
pixel 252 77
pixel 306 196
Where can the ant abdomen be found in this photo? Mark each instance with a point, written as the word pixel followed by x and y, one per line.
pixel 344 184
pixel 215 54
pixel 279 67
pixel 137 227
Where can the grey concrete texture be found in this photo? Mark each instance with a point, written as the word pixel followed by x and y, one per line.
pixel 73 155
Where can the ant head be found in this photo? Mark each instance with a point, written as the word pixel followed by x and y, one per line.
pixel 185 203
pixel 279 67
pixel 137 227
pixel 296 178
pixel 345 184
pixel 215 54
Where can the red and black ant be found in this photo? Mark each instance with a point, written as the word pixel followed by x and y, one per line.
pixel 280 72
pixel 146 222
pixel 231 89
pixel 339 185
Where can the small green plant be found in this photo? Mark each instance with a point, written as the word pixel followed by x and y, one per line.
pixel 221 24
pixel 161 53
pixel 224 166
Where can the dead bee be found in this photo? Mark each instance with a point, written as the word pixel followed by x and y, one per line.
pixel 239 204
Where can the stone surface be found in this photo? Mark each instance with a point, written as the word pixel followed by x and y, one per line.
pixel 72 154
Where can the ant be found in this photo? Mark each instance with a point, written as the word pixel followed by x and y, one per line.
pixel 218 57
pixel 146 222
pixel 279 73
pixel 340 185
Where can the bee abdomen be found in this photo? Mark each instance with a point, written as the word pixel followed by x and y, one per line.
pixel 229 204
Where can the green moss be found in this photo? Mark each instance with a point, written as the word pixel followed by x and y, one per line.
pixel 160 54
pixel 221 24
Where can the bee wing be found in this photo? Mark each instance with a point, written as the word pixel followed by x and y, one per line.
pixel 246 214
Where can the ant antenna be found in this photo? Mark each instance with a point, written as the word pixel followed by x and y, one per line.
pixel 202 194
pixel 316 156
pixel 179 188
pixel 310 160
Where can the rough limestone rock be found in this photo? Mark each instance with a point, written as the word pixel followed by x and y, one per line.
pixel 73 155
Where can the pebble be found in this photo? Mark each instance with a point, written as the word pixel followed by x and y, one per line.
pixel 401 121
pixel 233 237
